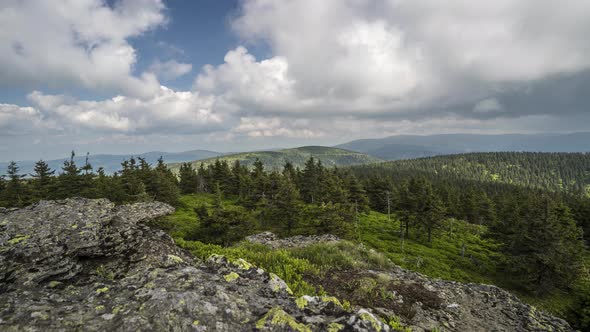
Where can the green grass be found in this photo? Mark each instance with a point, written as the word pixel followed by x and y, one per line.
pixel 381 246
pixel 440 259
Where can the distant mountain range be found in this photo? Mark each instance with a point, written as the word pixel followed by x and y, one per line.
pixel 412 146
pixel 274 160
pixel 112 163
pixel 352 153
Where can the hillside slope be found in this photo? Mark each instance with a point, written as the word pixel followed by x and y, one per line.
pixel 413 146
pixel 274 160
pixel 87 265
pixel 568 172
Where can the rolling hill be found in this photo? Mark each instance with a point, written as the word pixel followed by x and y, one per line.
pixel 568 172
pixel 274 160
pixel 112 163
pixel 410 146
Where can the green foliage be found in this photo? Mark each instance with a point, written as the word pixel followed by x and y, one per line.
pixel 280 262
pixel 548 171
pixel 445 257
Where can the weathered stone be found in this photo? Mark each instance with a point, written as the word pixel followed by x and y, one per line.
pixel 88 265
pixel 271 240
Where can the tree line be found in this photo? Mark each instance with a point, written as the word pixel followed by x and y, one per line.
pixel 541 232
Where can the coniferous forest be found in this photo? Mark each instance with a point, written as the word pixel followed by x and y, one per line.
pixel 519 220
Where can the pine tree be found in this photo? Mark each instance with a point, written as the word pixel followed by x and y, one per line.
pixel 14 194
pixel 285 209
pixel 133 187
pixel 166 189
pixel 69 180
pixel 42 180
pixel 189 180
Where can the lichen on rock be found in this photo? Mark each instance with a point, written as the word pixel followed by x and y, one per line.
pixel 82 264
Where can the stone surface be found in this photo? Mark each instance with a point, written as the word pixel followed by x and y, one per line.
pixel 271 240
pixel 86 265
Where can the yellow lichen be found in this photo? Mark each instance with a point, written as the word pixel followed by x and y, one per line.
pixel 332 299
pixel 196 323
pixel 366 316
pixel 279 317
pixel 99 308
pixel 176 259
pixel 335 327
pixel 54 283
pixel 102 290
pixel 301 302
pixel 18 239
pixel 117 309
pixel 242 264
pixel 231 276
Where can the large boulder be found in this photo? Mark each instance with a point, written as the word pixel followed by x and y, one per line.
pixel 87 265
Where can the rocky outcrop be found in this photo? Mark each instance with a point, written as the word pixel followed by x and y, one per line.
pixel 273 241
pixel 87 265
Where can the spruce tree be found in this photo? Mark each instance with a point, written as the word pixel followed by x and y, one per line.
pixel 42 181
pixel 69 180
pixel 14 194
pixel 188 179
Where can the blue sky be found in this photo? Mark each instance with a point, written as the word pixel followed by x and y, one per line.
pixel 131 76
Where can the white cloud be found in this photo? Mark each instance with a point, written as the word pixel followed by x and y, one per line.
pixel 75 43
pixel 276 127
pixel 170 69
pixel 167 111
pixel 396 56
pixel 16 120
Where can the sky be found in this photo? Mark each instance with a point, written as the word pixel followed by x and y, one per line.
pixel 130 76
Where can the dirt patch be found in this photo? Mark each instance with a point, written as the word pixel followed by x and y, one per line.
pixel 377 291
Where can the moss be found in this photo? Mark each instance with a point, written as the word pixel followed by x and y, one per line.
pixel 54 283
pixel 99 307
pixel 74 226
pixel 149 285
pixel 242 264
pixel 335 327
pixel 102 290
pixel 278 316
pixel 18 239
pixel 367 317
pixel 301 302
pixel 176 259
pixel 231 276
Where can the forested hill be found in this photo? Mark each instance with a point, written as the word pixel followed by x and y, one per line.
pixel 275 160
pixel 414 146
pixel 569 172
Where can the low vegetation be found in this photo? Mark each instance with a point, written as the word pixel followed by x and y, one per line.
pixel 528 240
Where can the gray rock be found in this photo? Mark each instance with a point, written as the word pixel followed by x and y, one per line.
pixel 271 240
pixel 87 265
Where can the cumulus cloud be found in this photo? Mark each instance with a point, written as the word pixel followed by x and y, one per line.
pixel 397 57
pixel 170 69
pixel 168 111
pixel 276 127
pixel 16 120
pixel 75 43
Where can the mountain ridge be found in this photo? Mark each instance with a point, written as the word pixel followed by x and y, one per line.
pixel 416 146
